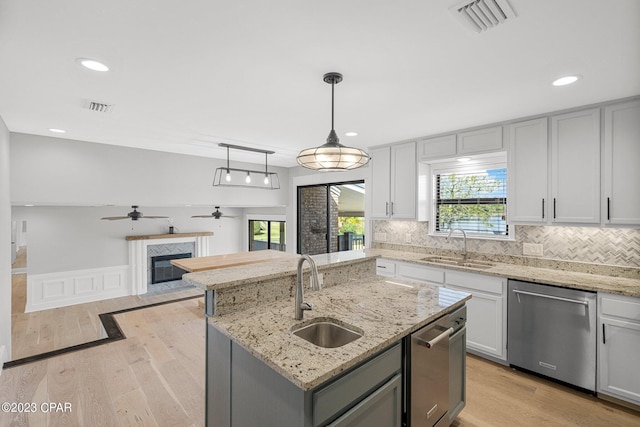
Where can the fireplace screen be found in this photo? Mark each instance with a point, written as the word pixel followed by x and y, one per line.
pixel 163 271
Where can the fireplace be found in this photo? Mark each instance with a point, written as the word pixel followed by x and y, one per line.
pixel 163 271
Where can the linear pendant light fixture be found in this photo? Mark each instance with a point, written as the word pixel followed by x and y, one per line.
pixel 332 156
pixel 234 177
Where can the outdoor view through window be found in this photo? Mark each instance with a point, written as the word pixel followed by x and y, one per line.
pixel 475 201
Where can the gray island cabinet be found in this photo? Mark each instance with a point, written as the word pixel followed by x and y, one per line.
pixel 259 373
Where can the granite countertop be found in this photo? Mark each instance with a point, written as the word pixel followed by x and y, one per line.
pixel 211 280
pixel 385 309
pixel 597 277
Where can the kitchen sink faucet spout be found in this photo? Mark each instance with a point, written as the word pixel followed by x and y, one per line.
pixel 301 306
pixel 464 234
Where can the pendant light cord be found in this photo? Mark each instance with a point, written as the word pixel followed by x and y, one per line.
pixel 333 83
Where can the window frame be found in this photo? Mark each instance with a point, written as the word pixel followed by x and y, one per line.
pixel 453 166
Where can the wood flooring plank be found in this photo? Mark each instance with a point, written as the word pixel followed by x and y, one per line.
pixel 64 388
pixel 189 392
pixel 159 398
pixel 95 401
pixel 132 410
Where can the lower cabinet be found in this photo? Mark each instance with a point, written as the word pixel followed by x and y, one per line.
pixel 382 408
pixel 619 347
pixel 486 310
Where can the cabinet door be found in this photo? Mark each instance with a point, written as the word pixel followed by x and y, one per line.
pixel 575 167
pixel 480 141
pixel 485 321
pixel 528 172
pixel 380 182
pixel 621 163
pixel 619 347
pixel 383 408
pixel 403 181
pixel 435 148
pixel 385 267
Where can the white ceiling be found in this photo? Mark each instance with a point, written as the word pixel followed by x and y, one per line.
pixel 186 75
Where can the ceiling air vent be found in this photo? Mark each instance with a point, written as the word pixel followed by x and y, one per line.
pixel 482 15
pixel 99 106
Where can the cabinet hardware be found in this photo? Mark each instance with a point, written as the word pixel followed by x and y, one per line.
pixel 386 208
pixel 604 339
pixel 543 208
pixel 391 208
pixel 608 208
pixel 382 266
pixel 554 208
pixel 436 340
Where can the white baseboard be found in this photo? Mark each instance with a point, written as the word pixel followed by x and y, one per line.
pixel 52 290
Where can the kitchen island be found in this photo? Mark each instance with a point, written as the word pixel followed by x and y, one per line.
pixel 259 373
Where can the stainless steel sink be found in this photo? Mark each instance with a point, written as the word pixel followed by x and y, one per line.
pixel 327 332
pixel 458 261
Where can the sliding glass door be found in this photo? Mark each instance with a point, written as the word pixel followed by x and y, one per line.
pixel 331 217
pixel 265 235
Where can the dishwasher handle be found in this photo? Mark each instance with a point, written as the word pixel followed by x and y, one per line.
pixel 435 340
pixel 574 301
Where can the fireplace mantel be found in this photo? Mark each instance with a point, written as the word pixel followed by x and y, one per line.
pixel 170 236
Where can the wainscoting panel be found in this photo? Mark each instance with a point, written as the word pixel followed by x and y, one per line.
pixel 51 290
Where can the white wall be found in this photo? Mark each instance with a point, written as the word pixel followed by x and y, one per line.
pixel 67 238
pixel 5 247
pixel 56 171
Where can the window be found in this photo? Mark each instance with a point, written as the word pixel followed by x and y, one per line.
pixel 473 198
pixel 265 235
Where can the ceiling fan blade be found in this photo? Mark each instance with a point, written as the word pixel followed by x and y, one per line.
pixel 202 216
pixel 153 217
pixel 229 216
pixel 112 218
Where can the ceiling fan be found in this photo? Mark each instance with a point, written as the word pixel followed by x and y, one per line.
pixel 134 215
pixel 216 215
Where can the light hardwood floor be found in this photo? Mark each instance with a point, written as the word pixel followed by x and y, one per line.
pixel 156 377
pixel 47 330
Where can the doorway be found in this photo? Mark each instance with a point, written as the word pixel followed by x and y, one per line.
pixel 331 217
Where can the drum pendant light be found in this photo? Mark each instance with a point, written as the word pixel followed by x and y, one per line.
pixel 332 156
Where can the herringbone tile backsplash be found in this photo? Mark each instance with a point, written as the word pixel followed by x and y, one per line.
pixel 613 246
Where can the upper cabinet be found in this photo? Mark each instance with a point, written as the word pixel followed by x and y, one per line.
pixel 464 143
pixel 621 174
pixel 528 172
pixel 393 177
pixel 575 167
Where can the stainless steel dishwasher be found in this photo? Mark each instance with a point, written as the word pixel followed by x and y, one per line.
pixel 428 377
pixel 552 331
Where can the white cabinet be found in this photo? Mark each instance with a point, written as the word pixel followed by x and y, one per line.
pixel 621 174
pixel 575 167
pixel 393 177
pixel 438 147
pixel 486 311
pixel 480 141
pixel 528 172
pixel 619 347
pixel 386 267
pixel 464 143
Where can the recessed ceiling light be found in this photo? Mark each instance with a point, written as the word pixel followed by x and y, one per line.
pixel 29 206
pixel 566 80
pixel 92 64
pixel 464 159
pixel 351 134
pixel 54 130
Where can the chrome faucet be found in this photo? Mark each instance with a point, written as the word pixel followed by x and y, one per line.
pixel 301 306
pixel 464 252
